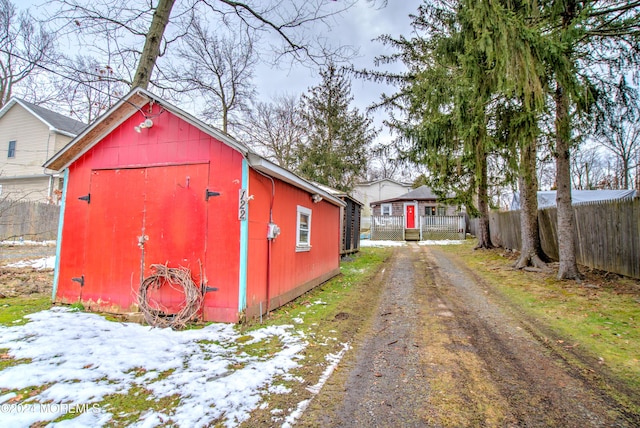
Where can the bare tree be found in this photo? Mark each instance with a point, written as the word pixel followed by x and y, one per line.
pixel 274 129
pixel 24 46
pixel 621 135
pixel 219 69
pixel 125 27
pixel 383 162
pixel 93 89
pixel 587 167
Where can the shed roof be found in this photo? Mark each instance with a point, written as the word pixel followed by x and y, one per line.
pixel 132 103
pixel 337 193
pixel 261 164
pixel 127 106
pixel 422 193
pixel 55 121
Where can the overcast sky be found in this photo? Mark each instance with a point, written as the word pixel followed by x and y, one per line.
pixel 357 28
pixel 363 23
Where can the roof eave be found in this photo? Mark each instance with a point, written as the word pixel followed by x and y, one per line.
pixel 263 165
pixel 129 106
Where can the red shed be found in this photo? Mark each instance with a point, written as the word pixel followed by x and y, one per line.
pixel 150 184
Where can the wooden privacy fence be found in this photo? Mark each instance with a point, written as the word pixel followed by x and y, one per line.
pixel 28 220
pixel 607 234
pixel 442 227
pixel 387 228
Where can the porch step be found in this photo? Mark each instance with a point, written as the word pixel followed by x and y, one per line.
pixel 412 234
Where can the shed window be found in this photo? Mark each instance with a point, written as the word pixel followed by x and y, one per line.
pixel 303 228
pixel 385 209
pixel 429 210
pixel 442 211
pixel 11 152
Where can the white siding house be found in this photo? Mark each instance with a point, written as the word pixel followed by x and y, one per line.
pixel 29 135
pixel 376 191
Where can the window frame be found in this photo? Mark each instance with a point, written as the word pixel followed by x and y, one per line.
pixel 383 206
pixel 11 150
pixel 300 244
pixel 441 211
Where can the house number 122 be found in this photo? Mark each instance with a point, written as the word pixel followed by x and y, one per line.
pixel 242 205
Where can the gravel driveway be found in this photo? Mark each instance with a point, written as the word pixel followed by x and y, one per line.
pixel 443 350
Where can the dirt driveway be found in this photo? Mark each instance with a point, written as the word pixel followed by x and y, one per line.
pixel 443 350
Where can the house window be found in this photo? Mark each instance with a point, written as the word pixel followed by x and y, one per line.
pixel 428 210
pixel 303 228
pixel 442 211
pixel 11 153
pixel 385 209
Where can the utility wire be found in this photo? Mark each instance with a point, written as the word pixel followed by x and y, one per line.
pixel 57 73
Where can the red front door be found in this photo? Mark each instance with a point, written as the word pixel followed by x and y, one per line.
pixel 411 216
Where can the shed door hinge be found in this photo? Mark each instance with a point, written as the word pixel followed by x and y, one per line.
pixel 86 198
pixel 209 194
pixel 79 280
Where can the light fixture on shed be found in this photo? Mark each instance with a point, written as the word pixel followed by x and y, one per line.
pixel 148 123
pixel 316 198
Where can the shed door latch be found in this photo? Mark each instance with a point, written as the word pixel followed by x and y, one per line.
pixel 79 280
pixel 86 198
pixel 209 194
pixel 208 289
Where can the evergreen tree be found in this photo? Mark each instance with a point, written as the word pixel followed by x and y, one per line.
pixel 444 98
pixel 598 43
pixel 333 151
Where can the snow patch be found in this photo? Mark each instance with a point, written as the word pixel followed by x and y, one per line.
pixel 43 263
pixel 85 358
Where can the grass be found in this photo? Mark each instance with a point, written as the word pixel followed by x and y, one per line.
pixel 14 309
pixel 329 317
pixel 597 319
pixel 326 316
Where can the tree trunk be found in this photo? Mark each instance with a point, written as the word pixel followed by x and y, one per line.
pixel 151 49
pixel 568 268
pixel 531 249
pixel 483 233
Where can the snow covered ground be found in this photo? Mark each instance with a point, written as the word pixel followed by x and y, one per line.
pixel 42 263
pixel 28 242
pixel 83 358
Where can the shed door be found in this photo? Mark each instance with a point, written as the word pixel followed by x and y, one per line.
pixel 163 207
pixel 411 216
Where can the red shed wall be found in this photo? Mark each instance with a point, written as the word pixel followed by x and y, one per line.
pixel 292 273
pixel 174 155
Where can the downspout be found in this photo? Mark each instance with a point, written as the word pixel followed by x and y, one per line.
pixel 63 204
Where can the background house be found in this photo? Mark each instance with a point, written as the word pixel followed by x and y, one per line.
pixel 416 215
pixel 418 202
pixel 376 190
pixel 29 135
pixel 150 184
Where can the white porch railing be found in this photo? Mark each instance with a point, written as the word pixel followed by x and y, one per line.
pixel 387 228
pixel 442 227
